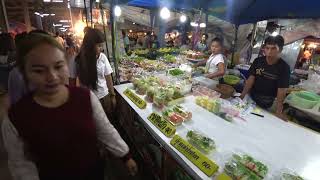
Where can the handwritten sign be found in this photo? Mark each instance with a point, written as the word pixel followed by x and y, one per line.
pixel 135 99
pixel 195 156
pixel 163 125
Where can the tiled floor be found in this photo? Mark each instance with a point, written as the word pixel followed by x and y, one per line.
pixel 4 172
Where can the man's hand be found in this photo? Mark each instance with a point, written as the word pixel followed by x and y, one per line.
pixel 281 116
pixel 132 167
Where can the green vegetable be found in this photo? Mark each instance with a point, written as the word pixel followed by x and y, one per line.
pixel 287 176
pixel 169 58
pixel 201 142
pixel 176 72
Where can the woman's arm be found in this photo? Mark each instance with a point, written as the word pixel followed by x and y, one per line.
pixel 106 133
pixel 20 167
pixel 110 84
pixel 220 72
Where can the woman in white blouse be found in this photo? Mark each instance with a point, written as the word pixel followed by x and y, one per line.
pixel 215 65
pixel 94 70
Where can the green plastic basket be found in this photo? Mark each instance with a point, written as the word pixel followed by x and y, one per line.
pixel 231 79
pixel 304 99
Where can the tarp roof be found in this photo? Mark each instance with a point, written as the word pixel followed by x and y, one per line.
pixel 240 11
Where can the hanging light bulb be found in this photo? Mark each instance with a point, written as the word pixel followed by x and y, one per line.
pixel 203 25
pixel 164 13
pixel 117 11
pixel 183 18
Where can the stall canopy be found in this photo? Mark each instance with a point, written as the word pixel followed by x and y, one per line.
pixel 241 11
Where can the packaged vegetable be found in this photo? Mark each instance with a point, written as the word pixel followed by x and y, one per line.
pixel 238 171
pixel 200 141
pixel 287 176
pixel 253 165
pixel 182 112
pixel 150 93
pixel 172 117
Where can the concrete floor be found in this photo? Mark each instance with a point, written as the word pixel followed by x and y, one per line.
pixel 4 172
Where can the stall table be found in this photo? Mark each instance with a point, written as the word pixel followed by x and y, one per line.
pixel 278 144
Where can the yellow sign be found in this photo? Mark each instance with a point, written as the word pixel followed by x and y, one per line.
pixel 223 176
pixel 163 125
pixel 135 99
pixel 195 156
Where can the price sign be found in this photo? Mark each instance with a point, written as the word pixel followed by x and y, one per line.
pixel 135 99
pixel 195 156
pixel 163 125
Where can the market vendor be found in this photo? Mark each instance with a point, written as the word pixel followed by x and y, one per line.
pixel 202 44
pixel 269 77
pixel 215 65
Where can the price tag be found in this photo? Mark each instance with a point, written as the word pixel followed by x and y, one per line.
pixel 135 99
pixel 195 156
pixel 163 125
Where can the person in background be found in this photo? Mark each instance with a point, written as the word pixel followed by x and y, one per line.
pixel 94 70
pixel 126 41
pixel 269 77
pixel 59 39
pixel 155 42
pixel 52 133
pixel 70 56
pixel 215 65
pixel 202 44
pixel 17 86
pixel 147 40
pixel 7 48
pixel 246 52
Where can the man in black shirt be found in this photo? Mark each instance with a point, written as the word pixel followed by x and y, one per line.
pixel 269 77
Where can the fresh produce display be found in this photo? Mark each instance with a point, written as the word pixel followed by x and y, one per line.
pixel 200 141
pixel 212 105
pixel 195 55
pixel 141 52
pixel 168 50
pixel 169 58
pixel 204 91
pixel 166 94
pixel 150 93
pixel 249 163
pixel 176 114
pixel 175 72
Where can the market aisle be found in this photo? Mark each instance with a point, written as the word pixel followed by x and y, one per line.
pixel 4 172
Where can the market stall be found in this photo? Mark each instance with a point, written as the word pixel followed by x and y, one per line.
pixel 269 140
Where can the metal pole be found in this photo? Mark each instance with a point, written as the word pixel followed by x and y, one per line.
pixel 207 19
pixel 104 29
pixel 91 13
pixel 234 45
pixel 85 8
pixel 115 53
pixel 3 17
pixel 70 13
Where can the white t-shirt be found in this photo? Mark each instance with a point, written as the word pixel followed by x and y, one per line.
pixel 212 63
pixel 103 69
pixel 72 68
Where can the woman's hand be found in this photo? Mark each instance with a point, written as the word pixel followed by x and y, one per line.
pixel 132 167
pixel 113 101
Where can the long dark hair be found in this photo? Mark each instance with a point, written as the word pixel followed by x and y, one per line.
pixel 87 58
